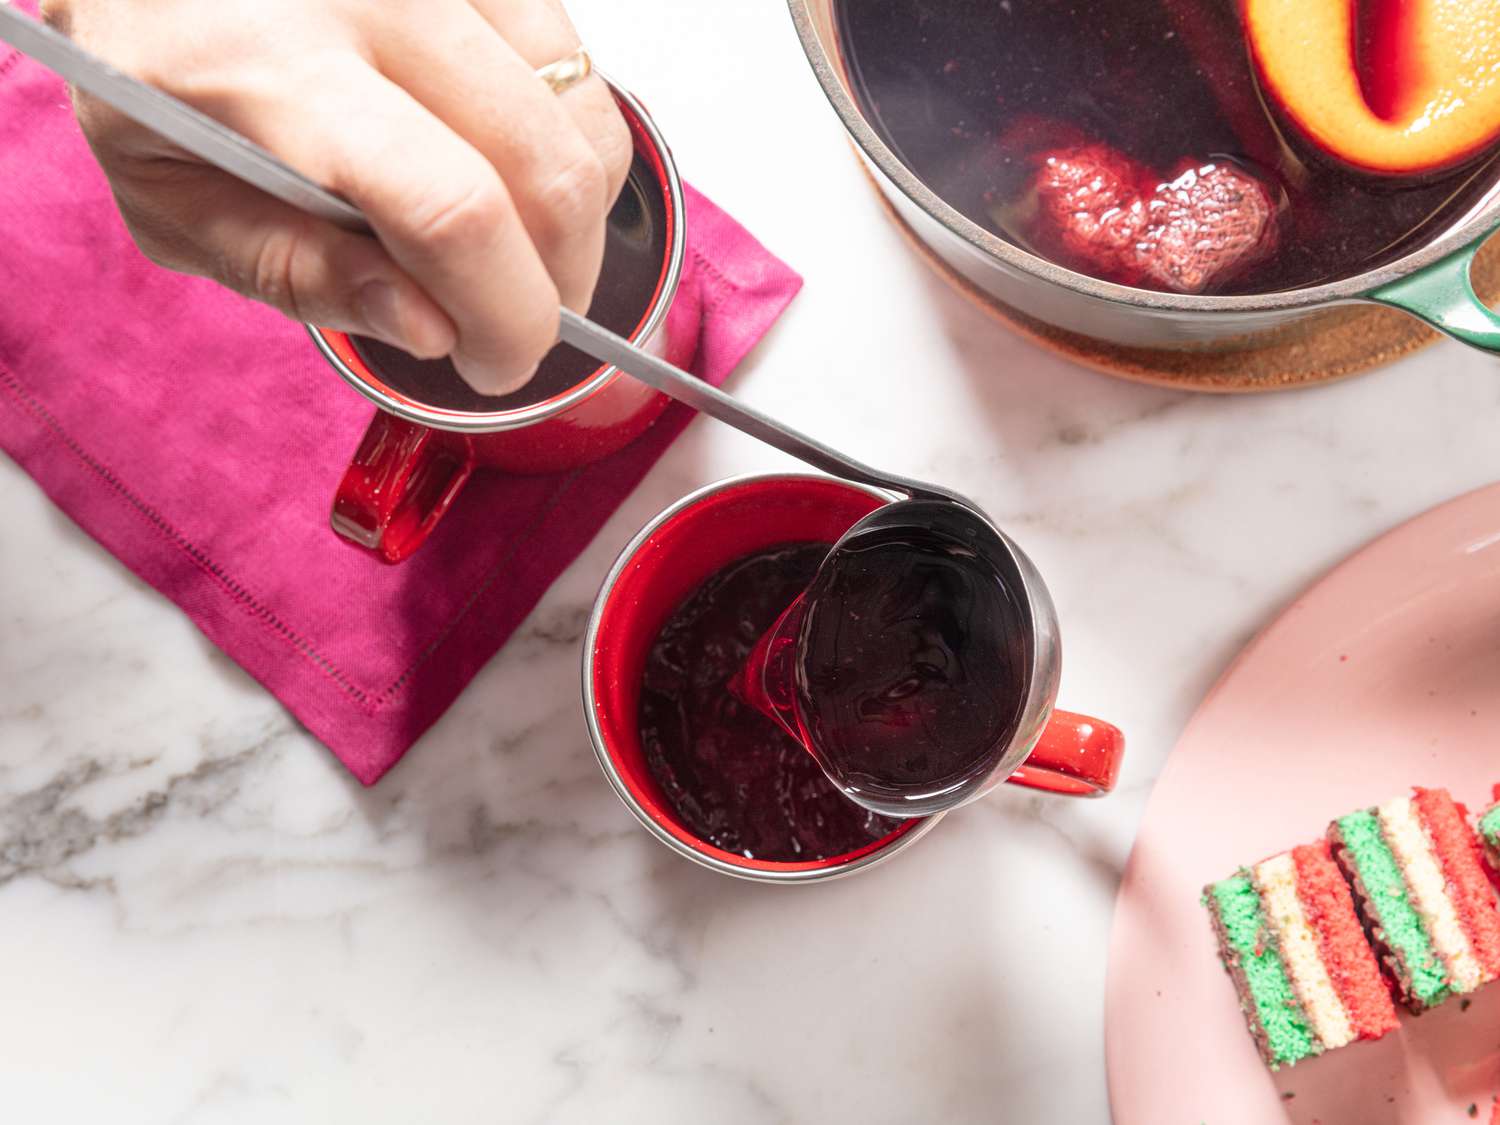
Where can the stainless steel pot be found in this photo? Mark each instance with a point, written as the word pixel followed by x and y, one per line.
pixel 1431 283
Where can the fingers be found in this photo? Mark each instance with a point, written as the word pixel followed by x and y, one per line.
pixel 481 87
pixel 438 205
pixel 541 33
pixel 196 219
pixel 488 192
pixel 448 218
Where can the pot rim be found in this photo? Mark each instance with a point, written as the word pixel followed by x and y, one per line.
pixel 1471 228
pixel 458 421
pixel 606 761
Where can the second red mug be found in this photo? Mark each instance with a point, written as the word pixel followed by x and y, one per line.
pixel 664 564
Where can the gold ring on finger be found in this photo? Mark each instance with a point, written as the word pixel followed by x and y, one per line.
pixel 567 71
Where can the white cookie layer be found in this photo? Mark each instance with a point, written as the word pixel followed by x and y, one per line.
pixel 1407 838
pixel 1276 879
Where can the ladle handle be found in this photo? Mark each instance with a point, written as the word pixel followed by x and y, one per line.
pixel 178 122
pixel 606 346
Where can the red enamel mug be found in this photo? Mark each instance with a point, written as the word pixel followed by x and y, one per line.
pixel 1055 751
pixel 421 447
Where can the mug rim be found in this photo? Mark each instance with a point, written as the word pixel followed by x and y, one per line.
pixel 495 421
pixel 1471 228
pixel 623 789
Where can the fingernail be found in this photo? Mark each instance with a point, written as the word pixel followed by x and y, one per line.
pixel 487 381
pixel 380 308
pixel 520 381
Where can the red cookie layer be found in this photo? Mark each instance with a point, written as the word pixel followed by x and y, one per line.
pixel 1457 849
pixel 1347 955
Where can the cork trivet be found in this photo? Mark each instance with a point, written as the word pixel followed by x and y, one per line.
pixel 1321 347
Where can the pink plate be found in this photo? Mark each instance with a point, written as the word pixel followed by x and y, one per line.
pixel 1386 674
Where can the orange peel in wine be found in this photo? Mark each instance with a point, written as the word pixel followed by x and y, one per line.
pixel 1413 88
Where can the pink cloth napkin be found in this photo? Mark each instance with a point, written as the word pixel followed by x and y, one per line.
pixel 199 437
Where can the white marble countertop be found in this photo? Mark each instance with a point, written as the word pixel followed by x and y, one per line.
pixel 204 919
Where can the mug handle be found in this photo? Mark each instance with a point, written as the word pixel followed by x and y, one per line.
pixel 1443 296
pixel 1076 757
pixel 403 478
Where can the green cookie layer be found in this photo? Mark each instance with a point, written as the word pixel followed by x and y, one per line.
pixel 1289 1036
pixel 1489 826
pixel 1386 890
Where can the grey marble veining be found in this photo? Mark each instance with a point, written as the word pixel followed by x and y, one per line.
pixel 204 919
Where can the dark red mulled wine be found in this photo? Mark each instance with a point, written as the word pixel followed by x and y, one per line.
pixel 1129 139
pixel 635 256
pixel 730 773
pixel 900 657
pixel 911 666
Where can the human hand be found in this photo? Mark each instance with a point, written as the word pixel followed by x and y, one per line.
pixel 487 191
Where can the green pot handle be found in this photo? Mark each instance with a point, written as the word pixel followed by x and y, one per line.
pixel 1443 296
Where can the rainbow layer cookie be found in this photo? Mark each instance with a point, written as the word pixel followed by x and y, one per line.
pixel 1423 894
pixel 1289 937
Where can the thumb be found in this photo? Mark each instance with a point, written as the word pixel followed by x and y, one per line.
pixel 198 220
